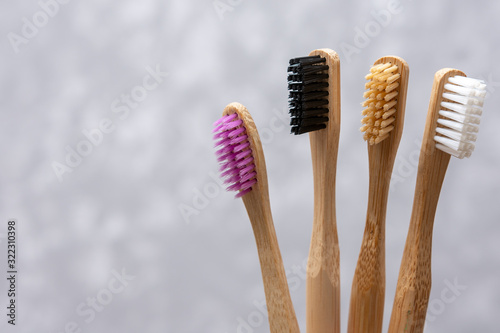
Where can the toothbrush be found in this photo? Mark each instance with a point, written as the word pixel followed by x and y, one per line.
pixel 452 121
pixel 244 169
pixel 314 85
pixel 382 126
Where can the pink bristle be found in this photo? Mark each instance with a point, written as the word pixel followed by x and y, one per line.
pixel 221 135
pixel 224 150
pixel 230 172
pixel 228 164
pixel 233 181
pixel 234 154
pixel 233 124
pixel 247 177
pixel 235 187
pixel 242 146
pixel 221 139
pixel 244 162
pixel 225 118
pixel 228 156
pixel 218 121
pixel 242 193
pixel 238 139
pixel 247 170
pixel 248 184
pixel 223 123
pixel 237 132
pixel 219 127
pixel 243 154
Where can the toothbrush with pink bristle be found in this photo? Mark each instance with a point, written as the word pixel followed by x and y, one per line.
pixel 244 169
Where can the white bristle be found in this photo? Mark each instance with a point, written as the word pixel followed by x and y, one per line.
pixel 455 133
pixel 460 127
pixel 454 144
pixel 467 82
pixel 461 118
pixel 464 100
pixel 463 109
pixel 469 92
pixel 452 151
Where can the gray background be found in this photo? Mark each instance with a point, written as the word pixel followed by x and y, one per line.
pixel 121 207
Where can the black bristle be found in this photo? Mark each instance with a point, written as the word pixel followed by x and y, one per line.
pixel 296 113
pixel 307 88
pixel 308 94
pixel 308 59
pixel 313 95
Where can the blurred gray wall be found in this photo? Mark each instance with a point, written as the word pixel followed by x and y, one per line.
pixel 135 234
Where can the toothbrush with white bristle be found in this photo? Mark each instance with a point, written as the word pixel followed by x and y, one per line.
pixel 450 130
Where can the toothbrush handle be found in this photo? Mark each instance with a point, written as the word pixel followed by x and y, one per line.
pixel 323 285
pixel 323 267
pixel 414 282
pixel 282 317
pixel 366 310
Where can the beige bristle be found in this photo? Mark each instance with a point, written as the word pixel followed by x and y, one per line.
pixel 381 99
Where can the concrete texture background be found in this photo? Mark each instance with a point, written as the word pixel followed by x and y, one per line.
pixel 118 209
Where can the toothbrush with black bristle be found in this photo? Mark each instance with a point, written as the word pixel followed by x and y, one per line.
pixel 314 98
pixel 450 130
pixel 244 169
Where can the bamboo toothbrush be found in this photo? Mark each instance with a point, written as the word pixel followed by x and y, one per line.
pixel 383 126
pixel 452 121
pixel 244 168
pixel 314 85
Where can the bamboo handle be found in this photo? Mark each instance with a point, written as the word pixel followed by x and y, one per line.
pixel 368 286
pixel 414 282
pixel 279 304
pixel 323 268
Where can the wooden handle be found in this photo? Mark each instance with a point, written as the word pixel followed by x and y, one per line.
pixel 279 304
pixel 323 271
pixel 414 282
pixel 366 308
pixel 282 317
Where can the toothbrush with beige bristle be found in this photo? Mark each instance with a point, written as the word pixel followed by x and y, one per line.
pixel 382 126
pixel 452 123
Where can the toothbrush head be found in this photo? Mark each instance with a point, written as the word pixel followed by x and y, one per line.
pixel 459 116
pixel 384 83
pixel 234 154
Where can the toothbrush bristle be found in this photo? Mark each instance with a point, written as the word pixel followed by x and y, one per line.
pixel 381 99
pixel 459 116
pixel 234 154
pixel 308 94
